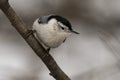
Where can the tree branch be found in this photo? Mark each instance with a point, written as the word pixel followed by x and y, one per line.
pixel 21 27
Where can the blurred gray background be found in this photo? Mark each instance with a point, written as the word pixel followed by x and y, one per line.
pixel 92 55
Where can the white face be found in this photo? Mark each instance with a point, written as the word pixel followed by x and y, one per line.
pixel 59 27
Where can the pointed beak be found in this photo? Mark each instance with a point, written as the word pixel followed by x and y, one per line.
pixel 75 32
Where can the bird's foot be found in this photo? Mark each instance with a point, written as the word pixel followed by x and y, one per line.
pixel 29 32
pixel 64 40
pixel 48 49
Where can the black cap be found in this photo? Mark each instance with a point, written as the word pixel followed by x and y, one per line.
pixel 63 21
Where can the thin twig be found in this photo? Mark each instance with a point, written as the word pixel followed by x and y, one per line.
pixel 21 27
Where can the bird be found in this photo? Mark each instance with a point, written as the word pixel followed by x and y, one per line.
pixel 52 30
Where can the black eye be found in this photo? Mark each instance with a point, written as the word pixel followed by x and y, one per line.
pixel 62 28
pixel 39 21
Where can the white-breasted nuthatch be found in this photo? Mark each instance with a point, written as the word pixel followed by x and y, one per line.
pixel 52 30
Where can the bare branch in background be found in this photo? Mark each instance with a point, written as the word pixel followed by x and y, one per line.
pixel 21 27
pixel 112 43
